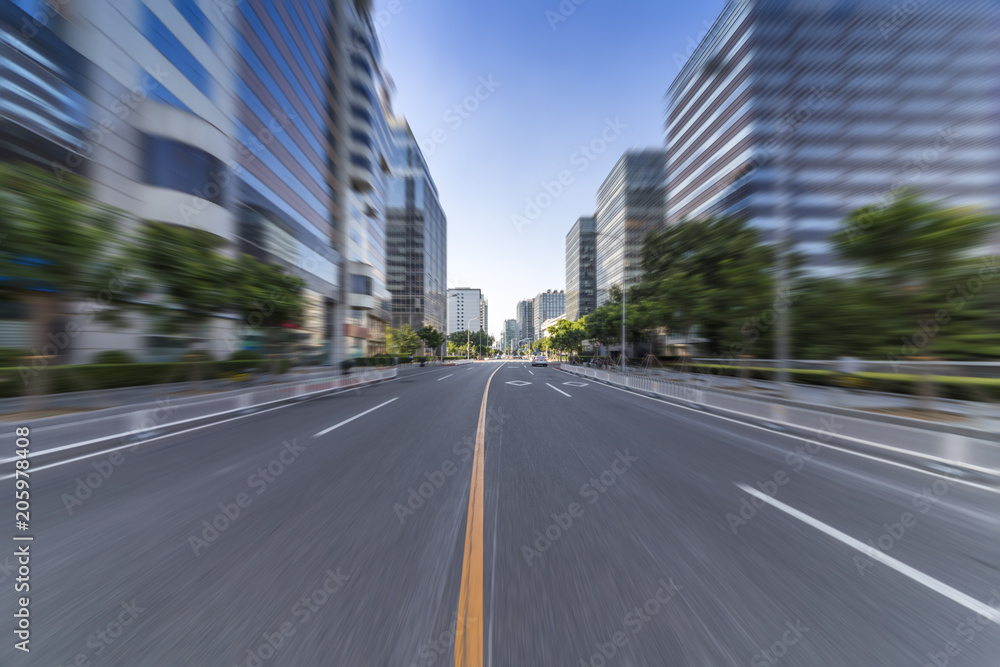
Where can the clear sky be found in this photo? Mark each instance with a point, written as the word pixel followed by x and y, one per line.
pixel 546 87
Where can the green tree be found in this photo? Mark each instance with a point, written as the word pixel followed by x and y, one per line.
pixel 476 343
pixel 568 336
pixel 433 339
pixel 268 298
pixel 55 248
pixel 915 263
pixel 190 279
pixel 402 341
pixel 912 243
pixel 603 325
pixel 712 275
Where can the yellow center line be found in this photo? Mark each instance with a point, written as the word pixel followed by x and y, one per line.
pixel 469 628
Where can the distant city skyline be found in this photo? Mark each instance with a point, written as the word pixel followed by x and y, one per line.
pixel 498 131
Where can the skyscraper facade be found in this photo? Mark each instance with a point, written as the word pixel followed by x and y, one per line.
pixel 484 314
pixel 581 276
pixel 525 321
pixel 630 203
pixel 221 119
pixel 367 303
pixel 793 113
pixel 509 334
pixel 546 305
pixel 464 309
pixel 417 235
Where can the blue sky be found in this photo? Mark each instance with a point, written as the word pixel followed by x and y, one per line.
pixel 546 88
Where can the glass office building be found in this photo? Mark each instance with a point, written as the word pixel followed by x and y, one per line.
pixel 545 306
pixel 367 305
pixel 581 276
pixel 792 113
pixel 630 203
pixel 287 200
pixel 42 109
pixel 525 322
pixel 417 236
pixel 509 335
pixel 218 116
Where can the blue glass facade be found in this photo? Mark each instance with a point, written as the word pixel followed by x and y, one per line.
pixel 792 113
pixel 171 47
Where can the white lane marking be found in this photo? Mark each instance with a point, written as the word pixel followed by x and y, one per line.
pixel 939 587
pixel 895 464
pixel 559 390
pixel 532 372
pixel 445 377
pixel 347 421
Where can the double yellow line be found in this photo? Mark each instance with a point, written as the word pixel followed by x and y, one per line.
pixel 469 627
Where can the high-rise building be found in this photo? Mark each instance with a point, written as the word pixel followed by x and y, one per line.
pixel 43 117
pixel 484 314
pixel 225 120
pixel 509 334
pixel 464 309
pixel 792 113
pixel 630 203
pixel 581 275
pixel 367 304
pixel 417 236
pixel 546 305
pixel 525 322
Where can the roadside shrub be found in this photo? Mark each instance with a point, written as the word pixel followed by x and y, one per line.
pixel 197 356
pixel 245 355
pixel 10 356
pixel 114 357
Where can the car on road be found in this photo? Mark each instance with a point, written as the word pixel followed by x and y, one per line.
pixel 540 361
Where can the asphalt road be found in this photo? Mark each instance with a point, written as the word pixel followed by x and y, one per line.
pixel 613 535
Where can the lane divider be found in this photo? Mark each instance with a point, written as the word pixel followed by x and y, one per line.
pixel 559 390
pixel 349 420
pixel 469 626
pixel 930 582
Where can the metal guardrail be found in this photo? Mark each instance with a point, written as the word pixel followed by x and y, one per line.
pixel 965 447
pixel 144 420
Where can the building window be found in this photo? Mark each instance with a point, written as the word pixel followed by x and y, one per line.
pixel 177 166
pixel 361 284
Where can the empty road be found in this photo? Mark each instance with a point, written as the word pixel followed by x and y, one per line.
pixel 550 521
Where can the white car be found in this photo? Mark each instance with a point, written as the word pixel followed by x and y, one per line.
pixel 539 361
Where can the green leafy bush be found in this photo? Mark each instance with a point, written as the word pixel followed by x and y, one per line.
pixel 199 356
pixel 245 355
pixel 114 357
pixel 11 356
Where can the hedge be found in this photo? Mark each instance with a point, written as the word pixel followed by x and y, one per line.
pixel 88 377
pixel 389 359
pixel 113 357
